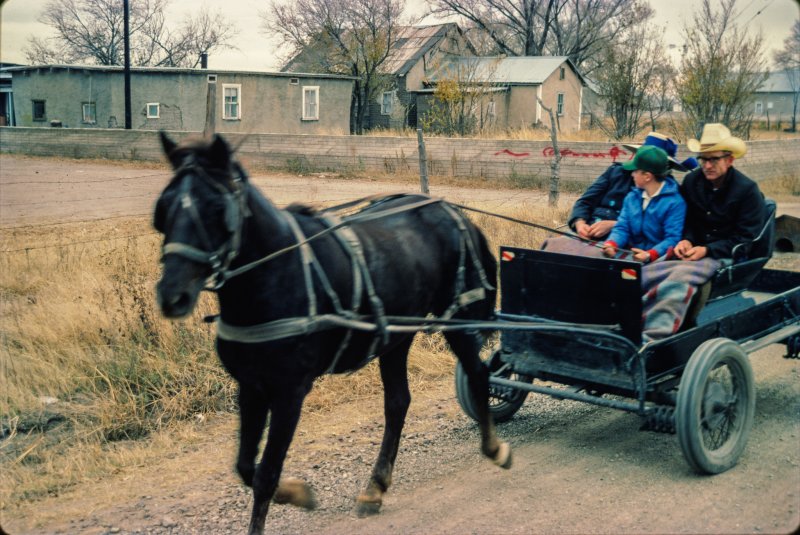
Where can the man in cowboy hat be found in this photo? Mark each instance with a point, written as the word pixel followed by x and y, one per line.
pixel 724 207
pixel 596 212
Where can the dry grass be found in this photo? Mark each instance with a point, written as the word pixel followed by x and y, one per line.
pixel 88 367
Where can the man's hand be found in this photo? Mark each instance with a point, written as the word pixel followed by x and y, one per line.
pixel 582 228
pixel 686 251
pixel 601 229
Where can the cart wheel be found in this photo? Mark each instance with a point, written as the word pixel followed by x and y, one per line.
pixel 715 406
pixel 504 401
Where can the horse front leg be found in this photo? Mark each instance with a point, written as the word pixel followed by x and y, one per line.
pixel 396 400
pixel 467 346
pixel 253 410
pixel 285 413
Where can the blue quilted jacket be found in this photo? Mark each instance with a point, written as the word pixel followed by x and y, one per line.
pixel 655 229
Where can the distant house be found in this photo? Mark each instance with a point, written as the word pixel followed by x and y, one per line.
pixel 416 53
pixel 175 99
pixel 777 98
pixel 512 86
pixel 419 51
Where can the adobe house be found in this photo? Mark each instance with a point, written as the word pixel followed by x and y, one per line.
pixel 175 99
pixel 511 87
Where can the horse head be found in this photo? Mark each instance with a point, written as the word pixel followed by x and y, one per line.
pixel 200 213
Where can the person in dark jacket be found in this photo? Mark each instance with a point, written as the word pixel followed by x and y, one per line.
pixel 725 208
pixel 651 221
pixel 597 210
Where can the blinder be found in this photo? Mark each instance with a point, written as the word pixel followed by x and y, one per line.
pixel 234 213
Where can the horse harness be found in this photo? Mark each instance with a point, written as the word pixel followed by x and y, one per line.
pixel 363 286
pixel 219 261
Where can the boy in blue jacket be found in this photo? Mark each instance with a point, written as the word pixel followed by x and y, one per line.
pixel 653 212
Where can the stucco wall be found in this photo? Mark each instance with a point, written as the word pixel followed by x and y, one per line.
pixel 571 87
pixel 269 103
pixel 525 161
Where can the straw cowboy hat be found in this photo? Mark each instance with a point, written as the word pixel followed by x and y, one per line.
pixel 667 145
pixel 716 137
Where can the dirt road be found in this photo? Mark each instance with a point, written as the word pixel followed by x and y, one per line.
pixel 577 468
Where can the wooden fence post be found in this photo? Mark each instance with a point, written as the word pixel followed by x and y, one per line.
pixel 555 165
pixel 423 164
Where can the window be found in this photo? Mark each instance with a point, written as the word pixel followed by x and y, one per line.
pixel 294 81
pixel 759 107
pixel 311 103
pixel 560 104
pixel 153 110
pixel 769 105
pixel 39 112
pixel 231 98
pixel 561 73
pixel 89 112
pixel 387 102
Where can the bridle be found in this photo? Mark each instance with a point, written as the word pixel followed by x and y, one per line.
pixel 219 259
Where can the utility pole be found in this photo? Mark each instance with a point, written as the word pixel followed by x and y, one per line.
pixel 127 40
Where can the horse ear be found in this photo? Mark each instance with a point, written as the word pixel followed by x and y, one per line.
pixel 219 152
pixel 169 147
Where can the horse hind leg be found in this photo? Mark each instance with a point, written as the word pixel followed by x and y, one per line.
pixel 396 400
pixel 467 346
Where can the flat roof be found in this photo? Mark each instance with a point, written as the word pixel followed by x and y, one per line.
pixel 172 70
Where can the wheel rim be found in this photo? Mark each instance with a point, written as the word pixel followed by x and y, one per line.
pixel 500 395
pixel 723 406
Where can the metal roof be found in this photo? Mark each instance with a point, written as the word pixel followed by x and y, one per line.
pixel 515 70
pixel 412 42
pixel 781 82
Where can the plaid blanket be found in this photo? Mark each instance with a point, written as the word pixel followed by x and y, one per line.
pixel 573 246
pixel 667 285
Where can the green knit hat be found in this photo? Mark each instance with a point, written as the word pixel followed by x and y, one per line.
pixel 649 158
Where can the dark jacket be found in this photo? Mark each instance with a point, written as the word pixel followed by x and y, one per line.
pixel 604 198
pixel 721 219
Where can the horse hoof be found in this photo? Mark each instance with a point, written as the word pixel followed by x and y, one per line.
pixel 295 492
pixel 503 456
pixel 368 506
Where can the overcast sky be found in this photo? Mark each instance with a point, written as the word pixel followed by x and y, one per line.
pixel 256 51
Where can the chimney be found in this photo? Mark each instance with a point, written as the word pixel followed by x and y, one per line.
pixel 204 60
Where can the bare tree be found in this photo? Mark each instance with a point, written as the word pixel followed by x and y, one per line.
pixel 353 37
pixel 463 98
pixel 91 31
pixel 579 29
pixel 634 82
pixel 516 27
pixel 584 29
pixel 721 70
pixel 788 60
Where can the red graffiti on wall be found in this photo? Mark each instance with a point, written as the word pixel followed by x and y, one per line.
pixel 613 153
pixel 515 154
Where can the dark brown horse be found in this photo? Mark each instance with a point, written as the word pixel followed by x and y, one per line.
pixel 304 293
